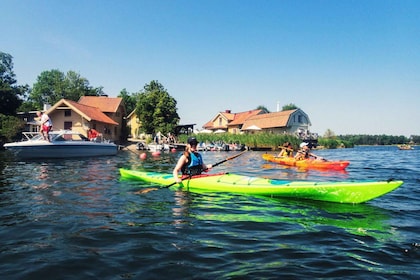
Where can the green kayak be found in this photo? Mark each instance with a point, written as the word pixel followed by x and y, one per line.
pixel 342 192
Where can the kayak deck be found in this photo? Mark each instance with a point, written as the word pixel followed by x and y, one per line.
pixel 307 163
pixel 341 192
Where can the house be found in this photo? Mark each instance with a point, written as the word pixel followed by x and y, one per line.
pixel 230 122
pixel 101 113
pixel 133 124
pixel 291 121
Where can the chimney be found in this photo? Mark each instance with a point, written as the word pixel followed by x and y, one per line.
pixel 227 111
pixel 278 106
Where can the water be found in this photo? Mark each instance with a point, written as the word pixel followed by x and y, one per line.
pixel 74 219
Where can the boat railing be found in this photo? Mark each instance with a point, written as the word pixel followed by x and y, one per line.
pixel 30 135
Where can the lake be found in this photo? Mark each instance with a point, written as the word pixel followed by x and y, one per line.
pixel 75 219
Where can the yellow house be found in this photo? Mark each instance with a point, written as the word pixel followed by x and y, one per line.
pixel 133 124
pixel 101 113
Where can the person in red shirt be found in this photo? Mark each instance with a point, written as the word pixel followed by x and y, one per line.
pixel 93 134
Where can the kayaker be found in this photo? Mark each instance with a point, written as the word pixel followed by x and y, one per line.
pixel 190 163
pixel 286 150
pixel 304 152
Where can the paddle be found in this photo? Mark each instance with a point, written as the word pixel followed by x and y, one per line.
pixel 213 165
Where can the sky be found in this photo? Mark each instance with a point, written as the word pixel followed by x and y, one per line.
pixel 352 66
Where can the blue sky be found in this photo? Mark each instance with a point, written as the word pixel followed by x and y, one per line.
pixel 352 66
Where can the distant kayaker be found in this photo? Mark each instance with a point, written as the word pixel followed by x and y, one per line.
pixel 190 163
pixel 286 150
pixel 304 152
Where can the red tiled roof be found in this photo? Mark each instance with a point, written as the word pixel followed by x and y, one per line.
pixel 240 118
pixel 103 103
pixel 269 120
pixel 228 116
pixel 88 112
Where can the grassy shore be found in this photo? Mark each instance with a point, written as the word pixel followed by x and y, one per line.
pixel 263 140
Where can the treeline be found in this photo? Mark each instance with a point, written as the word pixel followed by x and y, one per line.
pixel 379 139
pixel 273 141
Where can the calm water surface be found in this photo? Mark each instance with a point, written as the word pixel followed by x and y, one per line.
pixel 75 219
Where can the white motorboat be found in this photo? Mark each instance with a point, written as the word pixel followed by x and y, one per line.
pixel 63 144
pixel 158 147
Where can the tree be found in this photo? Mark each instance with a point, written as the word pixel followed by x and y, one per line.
pixel 10 126
pixel 129 100
pixel 156 109
pixel 290 106
pixel 10 93
pixel 263 108
pixel 53 85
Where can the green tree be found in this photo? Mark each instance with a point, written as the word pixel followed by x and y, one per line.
pixel 156 109
pixel 53 85
pixel 11 94
pixel 261 107
pixel 77 86
pixel 130 100
pixel 10 126
pixel 290 106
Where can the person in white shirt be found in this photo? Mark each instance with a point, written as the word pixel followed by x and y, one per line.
pixel 46 125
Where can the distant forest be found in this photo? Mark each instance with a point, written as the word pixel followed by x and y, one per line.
pixel 379 139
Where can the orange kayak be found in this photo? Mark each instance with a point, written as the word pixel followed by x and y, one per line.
pixel 308 163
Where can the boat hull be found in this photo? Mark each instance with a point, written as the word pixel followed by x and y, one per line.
pixel 307 163
pixel 62 151
pixel 341 192
pixel 62 144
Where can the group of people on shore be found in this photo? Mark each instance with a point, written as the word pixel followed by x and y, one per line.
pixel 303 153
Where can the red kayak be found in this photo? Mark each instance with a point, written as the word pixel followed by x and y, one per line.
pixel 308 163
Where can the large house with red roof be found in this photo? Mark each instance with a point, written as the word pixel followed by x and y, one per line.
pixel 230 122
pixel 291 122
pixel 102 113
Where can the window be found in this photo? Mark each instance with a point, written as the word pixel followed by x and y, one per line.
pixel 67 113
pixel 68 125
pixel 300 119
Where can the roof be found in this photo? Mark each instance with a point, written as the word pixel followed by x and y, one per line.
pixel 88 112
pixel 269 120
pixel 103 103
pixel 226 115
pixel 240 118
pixel 132 113
pixel 232 118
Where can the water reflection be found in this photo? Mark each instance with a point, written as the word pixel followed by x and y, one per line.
pixel 360 219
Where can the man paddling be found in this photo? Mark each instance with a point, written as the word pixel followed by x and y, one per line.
pixel 190 163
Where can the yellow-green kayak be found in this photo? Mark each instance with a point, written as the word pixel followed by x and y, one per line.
pixel 341 192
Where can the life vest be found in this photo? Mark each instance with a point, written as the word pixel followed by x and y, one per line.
pixel 303 154
pixel 194 166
